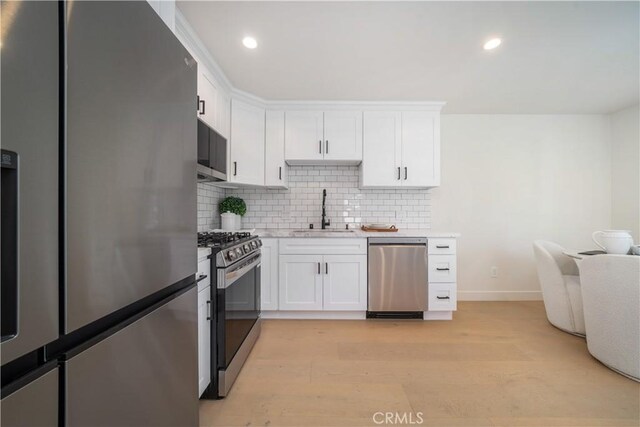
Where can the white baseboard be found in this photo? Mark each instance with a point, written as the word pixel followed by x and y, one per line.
pixel 328 315
pixel 342 315
pixel 499 295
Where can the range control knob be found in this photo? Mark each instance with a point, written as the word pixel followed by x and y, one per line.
pixel 247 248
pixel 239 252
pixel 231 255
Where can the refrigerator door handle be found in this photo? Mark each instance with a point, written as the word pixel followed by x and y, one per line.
pixel 9 254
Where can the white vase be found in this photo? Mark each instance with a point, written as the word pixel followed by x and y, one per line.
pixel 229 221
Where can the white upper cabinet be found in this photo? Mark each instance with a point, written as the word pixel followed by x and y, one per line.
pixel 316 137
pixel 303 136
pixel 382 149
pixel 246 145
pixel 275 168
pixel 343 136
pixel 401 149
pixel 420 149
pixel 207 99
pixel 223 115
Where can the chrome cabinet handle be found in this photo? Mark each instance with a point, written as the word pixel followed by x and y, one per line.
pixel 442 297
pixel 399 173
pixel 319 268
pixel 235 168
pixel 326 268
pixel 280 173
pixel 442 269
pixel 201 277
pixel 326 149
pixel 208 310
pixel 405 173
pixel 320 146
pixel 442 246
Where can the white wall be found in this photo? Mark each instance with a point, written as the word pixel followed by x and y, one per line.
pixel 508 180
pixel 625 174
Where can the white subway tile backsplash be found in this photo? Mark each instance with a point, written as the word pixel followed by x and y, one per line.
pixel 301 204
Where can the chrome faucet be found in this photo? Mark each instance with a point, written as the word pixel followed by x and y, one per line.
pixel 325 222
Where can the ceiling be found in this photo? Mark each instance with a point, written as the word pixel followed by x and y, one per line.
pixel 556 57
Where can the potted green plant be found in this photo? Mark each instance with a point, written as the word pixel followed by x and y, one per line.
pixel 232 209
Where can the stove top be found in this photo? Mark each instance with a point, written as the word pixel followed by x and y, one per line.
pixel 229 247
pixel 221 239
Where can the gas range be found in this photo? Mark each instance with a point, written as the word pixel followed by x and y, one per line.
pixel 229 247
pixel 235 301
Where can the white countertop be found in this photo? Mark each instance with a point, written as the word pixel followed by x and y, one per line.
pixel 409 232
pixel 203 253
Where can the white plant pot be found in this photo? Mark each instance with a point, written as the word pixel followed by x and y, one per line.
pixel 230 221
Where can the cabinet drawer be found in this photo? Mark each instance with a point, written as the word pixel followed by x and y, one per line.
pixel 323 245
pixel 204 268
pixel 442 268
pixel 441 246
pixel 442 297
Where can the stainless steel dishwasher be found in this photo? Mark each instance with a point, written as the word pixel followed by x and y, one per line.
pixel 397 277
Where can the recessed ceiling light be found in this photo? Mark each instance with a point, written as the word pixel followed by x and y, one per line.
pixel 492 44
pixel 249 42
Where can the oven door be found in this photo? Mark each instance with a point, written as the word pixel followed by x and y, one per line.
pixel 238 308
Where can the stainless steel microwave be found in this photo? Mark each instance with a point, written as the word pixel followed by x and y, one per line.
pixel 212 154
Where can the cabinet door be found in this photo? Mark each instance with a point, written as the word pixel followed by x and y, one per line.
pixel 300 282
pixel 345 282
pixel 382 144
pixel 247 144
pixel 303 136
pixel 204 339
pixel 343 135
pixel 275 169
pixel 223 120
pixel 208 97
pixel 420 149
pixel 269 275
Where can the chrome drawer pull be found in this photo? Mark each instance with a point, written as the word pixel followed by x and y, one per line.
pixel 442 246
pixel 442 297
pixel 442 269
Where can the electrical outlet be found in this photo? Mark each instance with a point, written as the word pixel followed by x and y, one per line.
pixel 494 271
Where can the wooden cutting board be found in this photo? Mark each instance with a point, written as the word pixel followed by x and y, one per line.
pixel 381 230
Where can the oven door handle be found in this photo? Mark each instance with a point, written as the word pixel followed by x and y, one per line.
pixel 228 277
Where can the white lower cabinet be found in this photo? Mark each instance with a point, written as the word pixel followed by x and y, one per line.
pixel 323 282
pixel 204 339
pixel 345 282
pixel 442 261
pixel 300 282
pixel 269 275
pixel 442 297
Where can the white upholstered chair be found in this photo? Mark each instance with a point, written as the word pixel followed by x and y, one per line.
pixel 611 297
pixel 560 283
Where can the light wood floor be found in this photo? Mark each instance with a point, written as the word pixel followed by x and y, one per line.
pixel 495 364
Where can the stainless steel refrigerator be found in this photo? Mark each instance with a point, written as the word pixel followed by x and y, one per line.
pixel 98 138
